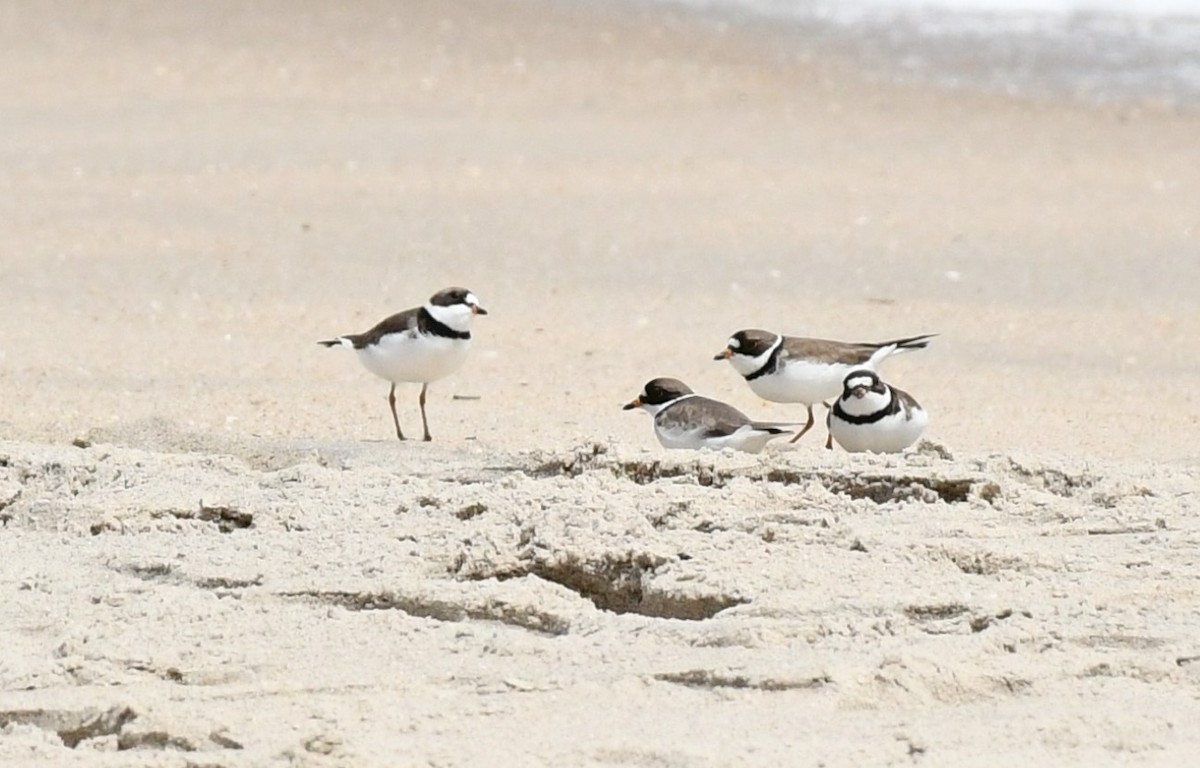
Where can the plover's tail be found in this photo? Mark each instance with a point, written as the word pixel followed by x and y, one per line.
pixel 885 349
pixel 340 341
pixel 911 343
pixel 775 427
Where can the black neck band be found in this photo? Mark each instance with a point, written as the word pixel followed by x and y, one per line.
pixel 435 327
pixel 893 406
pixel 770 365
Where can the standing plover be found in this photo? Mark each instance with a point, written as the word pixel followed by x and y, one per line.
pixel 871 416
pixel 789 369
pixel 683 419
pixel 417 345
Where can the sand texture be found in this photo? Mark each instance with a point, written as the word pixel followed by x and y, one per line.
pixel 214 553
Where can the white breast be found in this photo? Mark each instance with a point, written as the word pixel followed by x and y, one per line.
pixel 890 434
pixel 800 381
pixel 404 357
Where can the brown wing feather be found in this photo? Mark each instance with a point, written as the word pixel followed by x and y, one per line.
pixel 713 416
pixel 907 403
pixel 849 353
pixel 826 351
pixel 400 322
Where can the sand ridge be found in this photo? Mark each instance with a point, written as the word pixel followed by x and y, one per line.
pixel 918 593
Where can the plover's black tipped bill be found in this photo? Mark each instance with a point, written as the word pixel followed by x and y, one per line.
pixel 478 310
pixel 724 354
pixel 635 403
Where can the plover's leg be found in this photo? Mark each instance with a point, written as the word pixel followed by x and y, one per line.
pixel 424 423
pixel 807 426
pixel 829 436
pixel 395 418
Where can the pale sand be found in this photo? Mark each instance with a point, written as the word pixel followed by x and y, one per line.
pixel 194 193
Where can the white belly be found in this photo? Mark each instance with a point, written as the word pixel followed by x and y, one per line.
pixel 401 357
pixel 889 435
pixel 745 439
pixel 802 382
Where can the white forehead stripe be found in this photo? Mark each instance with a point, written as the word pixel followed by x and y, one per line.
pixel 734 343
pixel 862 380
pixel 471 299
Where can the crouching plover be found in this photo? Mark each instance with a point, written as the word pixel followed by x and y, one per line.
pixel 417 345
pixel 789 369
pixel 871 416
pixel 683 419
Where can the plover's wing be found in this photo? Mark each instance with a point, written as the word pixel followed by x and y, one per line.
pixel 902 402
pixel 397 323
pixel 702 415
pixel 825 351
pixel 401 322
pixel 832 352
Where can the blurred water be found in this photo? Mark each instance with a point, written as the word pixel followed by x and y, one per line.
pixel 1096 50
pixel 1120 7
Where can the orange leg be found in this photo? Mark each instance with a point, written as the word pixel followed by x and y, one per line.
pixel 424 423
pixel 807 426
pixel 395 418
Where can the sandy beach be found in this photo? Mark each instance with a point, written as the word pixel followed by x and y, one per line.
pixel 213 551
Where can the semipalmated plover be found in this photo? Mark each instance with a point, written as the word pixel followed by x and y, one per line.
pixel 417 345
pixel 790 369
pixel 871 416
pixel 683 419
